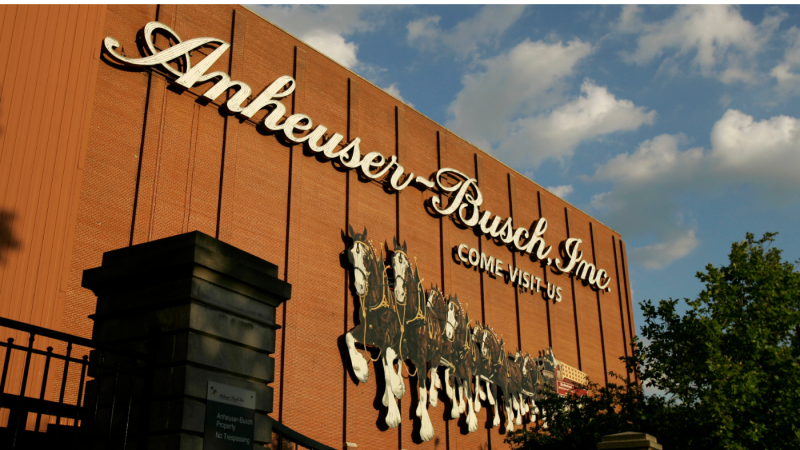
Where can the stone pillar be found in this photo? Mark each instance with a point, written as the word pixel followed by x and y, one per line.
pixel 629 441
pixel 204 311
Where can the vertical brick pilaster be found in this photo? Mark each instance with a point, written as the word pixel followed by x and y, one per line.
pixel 623 310
pixel 599 309
pixel 227 194
pixel 187 196
pixel 294 227
pixel 150 158
pixel 353 122
pixel 444 225
pixel 480 175
pixel 574 300
pixel 512 194
pixel 296 186
pixel 545 272
pixel 400 116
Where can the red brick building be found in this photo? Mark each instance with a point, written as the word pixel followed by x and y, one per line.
pixel 96 155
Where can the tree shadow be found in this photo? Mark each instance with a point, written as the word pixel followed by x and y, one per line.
pixel 7 239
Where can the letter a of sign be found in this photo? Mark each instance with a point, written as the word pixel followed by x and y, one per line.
pixel 180 53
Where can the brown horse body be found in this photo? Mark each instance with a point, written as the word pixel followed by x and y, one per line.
pixel 402 324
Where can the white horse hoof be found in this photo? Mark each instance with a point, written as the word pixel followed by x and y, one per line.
pixel 400 389
pixel 386 397
pixel 426 429
pixel 393 416
pixel 421 403
pixel 509 416
pixel 472 423
pixel 360 366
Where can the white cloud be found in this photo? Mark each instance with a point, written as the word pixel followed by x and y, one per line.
pixel 656 256
pixel 394 91
pixel 654 158
pixel 561 191
pixel 630 20
pixel 466 37
pixel 324 28
pixel 641 201
pixel 514 106
pixel 302 19
pixel 595 113
pixel 334 46
pixel 786 72
pixel 424 32
pixel 525 80
pixel 722 42
pixel 763 154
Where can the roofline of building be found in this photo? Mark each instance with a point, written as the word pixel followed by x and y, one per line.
pixel 433 121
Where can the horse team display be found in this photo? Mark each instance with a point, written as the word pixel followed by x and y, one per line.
pixel 403 323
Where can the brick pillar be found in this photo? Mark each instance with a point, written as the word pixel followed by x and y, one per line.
pixel 205 311
pixel 629 441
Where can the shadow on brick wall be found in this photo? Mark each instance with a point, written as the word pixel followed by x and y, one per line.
pixel 7 239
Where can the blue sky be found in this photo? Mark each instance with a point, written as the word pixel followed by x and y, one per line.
pixel 679 127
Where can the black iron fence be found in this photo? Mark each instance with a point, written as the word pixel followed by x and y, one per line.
pixel 77 394
pixel 284 438
pixel 81 402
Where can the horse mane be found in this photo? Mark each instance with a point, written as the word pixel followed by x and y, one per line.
pixel 454 298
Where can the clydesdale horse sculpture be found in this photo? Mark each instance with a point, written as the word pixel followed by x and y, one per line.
pixel 409 327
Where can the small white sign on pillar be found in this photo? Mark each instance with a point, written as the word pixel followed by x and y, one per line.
pixel 230 418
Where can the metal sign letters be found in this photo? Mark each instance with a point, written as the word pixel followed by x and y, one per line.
pixel 457 193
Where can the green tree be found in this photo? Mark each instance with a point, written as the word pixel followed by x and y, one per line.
pixel 578 423
pixel 727 369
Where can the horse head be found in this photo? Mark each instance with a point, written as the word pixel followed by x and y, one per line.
pixel 437 309
pixel 499 355
pixel 478 336
pixel 454 313
pixel 401 267
pixel 530 371
pixel 358 254
pixel 550 361
pixel 526 360
pixel 435 301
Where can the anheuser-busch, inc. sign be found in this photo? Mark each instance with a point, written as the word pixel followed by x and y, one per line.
pixel 455 192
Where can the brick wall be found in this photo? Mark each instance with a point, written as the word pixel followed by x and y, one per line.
pixel 159 163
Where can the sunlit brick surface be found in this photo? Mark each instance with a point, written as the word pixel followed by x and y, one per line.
pixel 147 161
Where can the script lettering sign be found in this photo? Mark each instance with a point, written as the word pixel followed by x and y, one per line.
pixel 455 193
